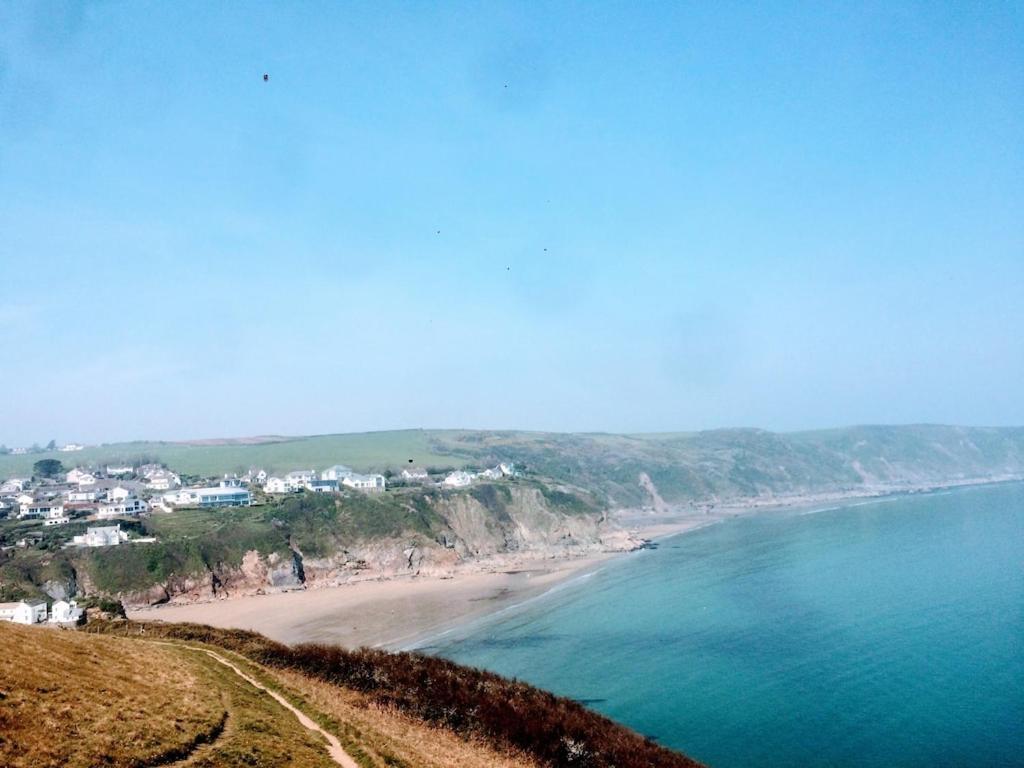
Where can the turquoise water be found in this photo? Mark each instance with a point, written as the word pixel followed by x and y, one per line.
pixel 885 634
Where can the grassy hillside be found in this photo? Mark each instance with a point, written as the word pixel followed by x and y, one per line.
pixel 362 451
pixel 76 700
pixel 504 716
pixel 126 694
pixel 683 466
pixel 743 463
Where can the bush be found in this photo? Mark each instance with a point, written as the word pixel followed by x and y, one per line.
pixel 508 714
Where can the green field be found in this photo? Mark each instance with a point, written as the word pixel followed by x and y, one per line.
pixel 365 452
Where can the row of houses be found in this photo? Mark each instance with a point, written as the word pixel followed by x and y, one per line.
pixel 329 480
pixel 102 504
pixel 224 495
pixel 35 611
pixel 67 448
pixel 152 476
pixel 461 478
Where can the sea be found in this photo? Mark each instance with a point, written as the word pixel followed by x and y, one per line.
pixel 881 633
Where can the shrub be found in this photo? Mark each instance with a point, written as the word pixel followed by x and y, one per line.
pixel 508 714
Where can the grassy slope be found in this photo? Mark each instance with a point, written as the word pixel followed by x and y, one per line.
pixel 362 451
pixel 684 466
pixel 80 699
pixel 746 462
pixel 71 699
pixel 405 698
pixel 125 694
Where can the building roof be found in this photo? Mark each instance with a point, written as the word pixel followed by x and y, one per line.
pixel 103 528
pixel 217 489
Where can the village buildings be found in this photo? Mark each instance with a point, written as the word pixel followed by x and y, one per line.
pixel 415 475
pixel 457 479
pixel 24 611
pixel 101 536
pixel 161 479
pixel 65 612
pixel 365 483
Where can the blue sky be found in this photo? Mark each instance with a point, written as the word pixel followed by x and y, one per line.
pixel 565 216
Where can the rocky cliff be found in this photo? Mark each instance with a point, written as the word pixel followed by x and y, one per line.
pixel 493 526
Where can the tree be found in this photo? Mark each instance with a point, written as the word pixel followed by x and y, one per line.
pixel 47 468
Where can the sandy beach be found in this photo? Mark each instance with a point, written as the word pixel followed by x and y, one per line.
pixel 399 612
pixel 391 613
pixel 396 613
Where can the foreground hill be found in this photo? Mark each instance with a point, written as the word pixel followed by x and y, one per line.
pixel 125 694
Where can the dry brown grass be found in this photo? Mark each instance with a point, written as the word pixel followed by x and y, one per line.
pixel 72 699
pixel 67 699
pixel 387 737
pixel 512 717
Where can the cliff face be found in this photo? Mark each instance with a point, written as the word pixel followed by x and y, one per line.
pixel 493 527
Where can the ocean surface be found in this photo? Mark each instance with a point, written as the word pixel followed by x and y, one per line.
pixel 886 633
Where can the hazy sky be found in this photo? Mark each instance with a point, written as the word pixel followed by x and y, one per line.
pixel 566 216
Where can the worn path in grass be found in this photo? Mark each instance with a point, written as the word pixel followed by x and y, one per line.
pixel 334 748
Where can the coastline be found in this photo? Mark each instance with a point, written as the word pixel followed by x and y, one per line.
pixel 405 611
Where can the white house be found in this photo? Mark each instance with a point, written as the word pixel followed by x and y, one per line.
pixel 80 477
pixel 120 471
pixel 322 486
pixel 13 485
pixel 129 506
pixel 117 493
pixel 70 447
pixel 337 473
pixel 82 495
pixel 415 475
pixel 221 496
pixel 181 498
pixel 364 483
pixel 504 469
pixel 49 509
pixel 162 480
pixel 24 612
pixel 277 485
pixel 101 536
pixel 65 612
pixel 457 479
pixel 298 479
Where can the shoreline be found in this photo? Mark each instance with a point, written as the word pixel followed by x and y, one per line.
pixel 407 611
